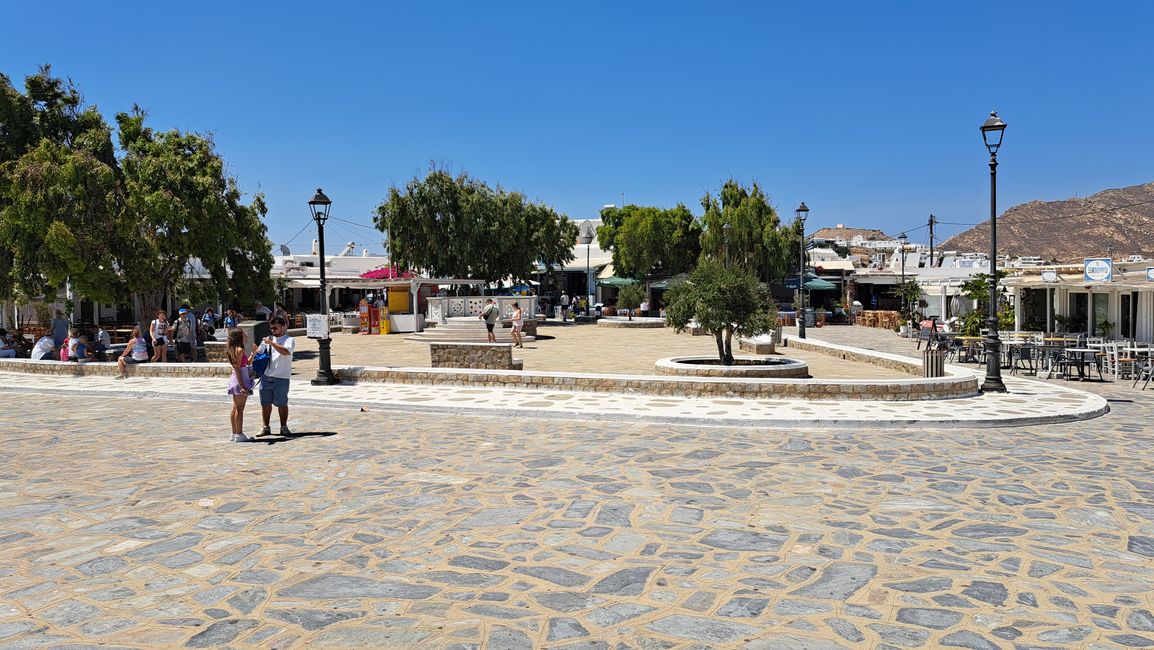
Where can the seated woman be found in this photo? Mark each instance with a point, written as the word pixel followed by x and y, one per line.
pixel 7 346
pixel 136 351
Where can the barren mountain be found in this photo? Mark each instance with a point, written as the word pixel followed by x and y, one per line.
pixel 1070 230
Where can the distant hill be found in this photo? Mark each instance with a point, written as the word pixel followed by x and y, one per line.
pixel 1071 230
pixel 846 234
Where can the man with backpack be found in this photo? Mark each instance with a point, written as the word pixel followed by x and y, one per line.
pixel 490 315
pixel 185 336
pixel 274 381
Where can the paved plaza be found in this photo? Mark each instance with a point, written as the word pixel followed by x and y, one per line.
pixel 129 521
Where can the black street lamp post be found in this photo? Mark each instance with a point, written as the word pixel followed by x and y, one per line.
pixel 802 213
pixel 725 229
pixel 319 206
pixel 902 239
pixel 992 131
pixel 586 237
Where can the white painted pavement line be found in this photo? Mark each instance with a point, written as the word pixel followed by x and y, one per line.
pixel 1029 402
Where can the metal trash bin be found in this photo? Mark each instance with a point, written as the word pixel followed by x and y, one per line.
pixel 933 362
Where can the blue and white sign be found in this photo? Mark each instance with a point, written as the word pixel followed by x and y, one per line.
pixel 1098 269
pixel 1049 276
pixel 1150 273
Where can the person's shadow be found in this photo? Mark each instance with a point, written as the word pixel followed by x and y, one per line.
pixel 272 440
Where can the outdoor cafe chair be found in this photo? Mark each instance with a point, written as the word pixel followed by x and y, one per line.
pixel 1022 358
pixel 1143 373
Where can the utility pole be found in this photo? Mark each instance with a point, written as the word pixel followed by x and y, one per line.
pixel 933 220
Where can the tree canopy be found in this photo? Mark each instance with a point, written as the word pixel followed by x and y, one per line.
pixel 756 240
pixel 457 226
pixel 724 300
pixel 71 209
pixel 648 241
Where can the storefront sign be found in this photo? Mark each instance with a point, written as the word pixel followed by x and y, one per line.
pixel 1049 276
pixel 317 326
pixel 1098 269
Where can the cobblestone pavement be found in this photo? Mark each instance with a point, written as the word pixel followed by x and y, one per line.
pixel 133 523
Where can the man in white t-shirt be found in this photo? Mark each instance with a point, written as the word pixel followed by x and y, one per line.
pixel 262 312
pixel 564 306
pixel 274 383
pixel 44 348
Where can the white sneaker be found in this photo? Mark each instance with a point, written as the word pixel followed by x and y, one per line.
pixel 265 431
pixel 240 437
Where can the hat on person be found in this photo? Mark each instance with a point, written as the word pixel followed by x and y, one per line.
pixel 184 311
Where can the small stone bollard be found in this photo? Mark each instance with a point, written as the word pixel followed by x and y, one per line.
pixel 933 362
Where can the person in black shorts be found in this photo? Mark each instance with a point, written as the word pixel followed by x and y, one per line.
pixel 490 314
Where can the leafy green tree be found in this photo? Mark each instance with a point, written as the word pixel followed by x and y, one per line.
pixel 59 192
pixel 756 239
pixel 183 212
pixel 460 227
pixel 724 300
pixel 629 297
pixel 70 210
pixel 978 288
pixel 649 242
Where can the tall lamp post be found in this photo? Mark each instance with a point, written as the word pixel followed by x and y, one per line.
pixel 992 131
pixel 802 212
pixel 586 237
pixel 902 239
pixel 725 229
pixel 319 206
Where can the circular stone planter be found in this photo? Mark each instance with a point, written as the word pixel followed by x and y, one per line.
pixel 637 322
pixel 742 368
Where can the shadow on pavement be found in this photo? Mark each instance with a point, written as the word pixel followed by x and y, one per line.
pixel 272 440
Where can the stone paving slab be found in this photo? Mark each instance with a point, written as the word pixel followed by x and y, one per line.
pixel 133 523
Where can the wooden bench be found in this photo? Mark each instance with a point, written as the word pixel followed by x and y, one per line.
pixel 484 356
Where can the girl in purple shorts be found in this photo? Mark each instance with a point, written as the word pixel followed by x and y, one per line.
pixel 239 384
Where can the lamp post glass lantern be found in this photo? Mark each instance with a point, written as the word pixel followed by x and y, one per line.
pixel 319 207
pixel 802 212
pixel 992 131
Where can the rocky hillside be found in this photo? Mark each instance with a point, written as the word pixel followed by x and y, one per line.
pixel 1073 229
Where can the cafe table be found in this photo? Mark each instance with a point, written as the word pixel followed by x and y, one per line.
pixel 1079 357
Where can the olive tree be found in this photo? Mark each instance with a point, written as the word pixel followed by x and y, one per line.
pixel 723 300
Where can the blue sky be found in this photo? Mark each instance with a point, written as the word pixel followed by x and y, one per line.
pixel 868 112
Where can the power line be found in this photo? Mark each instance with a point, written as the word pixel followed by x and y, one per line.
pixel 359 225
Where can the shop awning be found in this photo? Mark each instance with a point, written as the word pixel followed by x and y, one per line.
pixel 614 281
pixel 817 284
pixel 662 285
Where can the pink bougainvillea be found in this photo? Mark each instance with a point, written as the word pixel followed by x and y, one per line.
pixel 386 273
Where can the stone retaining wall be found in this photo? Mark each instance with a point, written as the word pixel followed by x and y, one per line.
pixel 707 387
pixel 485 356
pixel 909 367
pixel 109 369
pixel 638 322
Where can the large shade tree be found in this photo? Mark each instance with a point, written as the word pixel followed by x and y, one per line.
pixel 457 226
pixel 648 241
pixel 187 231
pixel 72 210
pixel 756 239
pixel 59 192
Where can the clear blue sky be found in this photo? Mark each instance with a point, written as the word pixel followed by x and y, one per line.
pixel 867 111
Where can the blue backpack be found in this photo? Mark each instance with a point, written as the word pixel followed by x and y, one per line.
pixel 260 362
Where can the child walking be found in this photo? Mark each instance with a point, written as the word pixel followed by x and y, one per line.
pixel 239 384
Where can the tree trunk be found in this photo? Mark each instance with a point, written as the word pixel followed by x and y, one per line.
pixel 728 360
pixel 720 347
